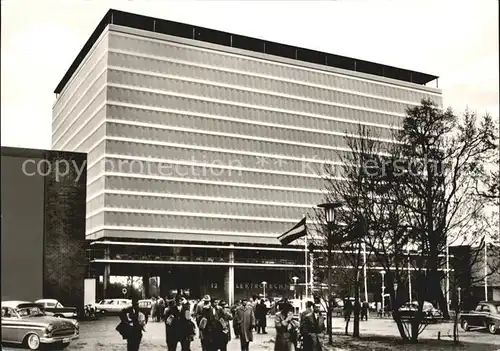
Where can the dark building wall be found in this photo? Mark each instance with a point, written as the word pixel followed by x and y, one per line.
pixel 43 225
pixel 65 206
pixel 22 231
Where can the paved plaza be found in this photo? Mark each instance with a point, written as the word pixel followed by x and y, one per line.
pixel 101 335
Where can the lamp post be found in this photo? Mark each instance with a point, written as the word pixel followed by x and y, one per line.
pixel 395 286
pixel 295 285
pixel 264 288
pixel 329 209
pixel 459 296
pixel 383 291
pixel 485 269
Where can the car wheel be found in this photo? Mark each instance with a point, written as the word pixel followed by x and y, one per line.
pixel 465 325
pixel 33 341
pixel 492 328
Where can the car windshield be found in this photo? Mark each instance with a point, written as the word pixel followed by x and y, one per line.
pixel 31 311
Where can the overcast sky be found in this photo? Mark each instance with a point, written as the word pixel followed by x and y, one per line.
pixel 456 40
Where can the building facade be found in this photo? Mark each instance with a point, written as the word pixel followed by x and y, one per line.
pixel 204 146
pixel 43 225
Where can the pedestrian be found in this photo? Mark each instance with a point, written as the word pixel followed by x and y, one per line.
pixel 153 308
pixel 224 316
pixel 160 308
pixel 364 310
pixel 287 328
pixel 261 316
pixel 234 308
pixel 178 325
pixel 309 309
pixel 246 322
pixel 132 322
pixel 312 325
pixel 210 327
pixel 348 307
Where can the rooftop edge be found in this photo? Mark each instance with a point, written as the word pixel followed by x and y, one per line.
pixel 189 31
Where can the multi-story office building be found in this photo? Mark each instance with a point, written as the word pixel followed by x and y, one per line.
pixel 204 146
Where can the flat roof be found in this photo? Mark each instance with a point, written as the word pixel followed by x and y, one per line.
pixel 189 31
pixel 9 151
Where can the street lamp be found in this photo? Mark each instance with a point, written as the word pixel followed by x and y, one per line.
pixel 459 296
pixel 329 209
pixel 395 286
pixel 295 285
pixel 383 291
pixel 264 288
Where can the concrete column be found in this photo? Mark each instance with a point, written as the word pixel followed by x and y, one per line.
pixel 230 282
pixel 107 273
pixel 145 286
pixel 105 279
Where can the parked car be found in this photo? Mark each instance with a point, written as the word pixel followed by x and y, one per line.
pixel 145 307
pixel 26 323
pixel 431 314
pixel 54 308
pixel 485 315
pixel 112 306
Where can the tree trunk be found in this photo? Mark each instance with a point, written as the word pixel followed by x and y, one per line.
pixel 399 324
pixel 329 322
pixel 443 304
pixel 348 318
pixel 415 324
pixel 455 325
pixel 356 309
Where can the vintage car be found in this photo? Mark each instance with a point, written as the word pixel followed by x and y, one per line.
pixel 409 310
pixel 25 323
pixel 486 315
pixel 54 308
pixel 112 306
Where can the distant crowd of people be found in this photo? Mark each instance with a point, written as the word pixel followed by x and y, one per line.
pixel 213 320
pixel 351 306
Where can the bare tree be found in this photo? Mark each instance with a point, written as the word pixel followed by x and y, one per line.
pixel 357 184
pixel 443 158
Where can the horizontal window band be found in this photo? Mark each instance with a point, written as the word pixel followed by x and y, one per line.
pixel 259 91
pixel 192 214
pixel 247 121
pixel 125 32
pixel 228 135
pixel 198 263
pixel 193 197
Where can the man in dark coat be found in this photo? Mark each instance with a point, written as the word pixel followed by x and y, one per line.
pixel 260 316
pixel 246 323
pixel 178 325
pixel 348 307
pixel 312 325
pixel 132 325
pixel 211 330
pixel 309 309
pixel 234 308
